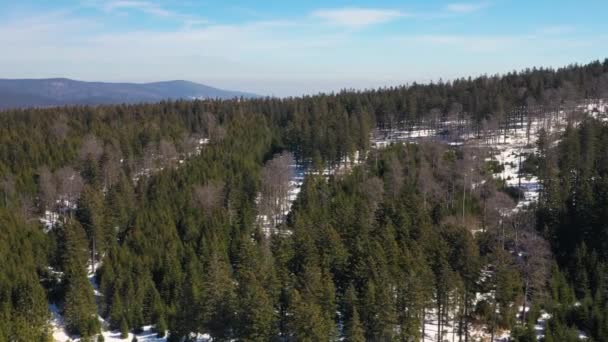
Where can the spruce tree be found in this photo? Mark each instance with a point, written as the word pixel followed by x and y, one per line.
pixel 354 328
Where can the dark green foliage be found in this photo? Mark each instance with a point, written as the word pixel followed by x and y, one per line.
pixel 124 328
pixel 573 216
pixel 354 328
pixel 362 254
pixel 23 302
pixel 161 327
pixel 525 334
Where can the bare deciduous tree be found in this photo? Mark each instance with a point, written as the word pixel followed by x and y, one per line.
pixel 149 159
pixel 60 127
pixel 48 189
pixel 70 185
pixel 167 153
pixel 212 128
pixel 427 184
pixel 534 258
pixel 111 165
pixel 191 144
pixel 373 189
pixel 276 177
pixel 91 148
pixel 209 196
pixel 496 208
pixel 395 176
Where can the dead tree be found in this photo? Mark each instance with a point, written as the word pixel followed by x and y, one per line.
pixel 70 185
pixel 47 186
pixel 91 148
pixel 534 259
pixel 276 177
pixel 167 154
pixel 60 128
pixel 111 166
pixel 209 196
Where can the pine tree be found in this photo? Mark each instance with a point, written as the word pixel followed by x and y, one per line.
pixel 256 317
pixel 80 310
pixel 354 328
pixel 308 322
pixel 161 327
pixel 90 214
pixel 124 328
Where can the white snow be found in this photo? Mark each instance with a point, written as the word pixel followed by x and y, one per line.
pixel 298 174
pixel 541 323
pixel 49 220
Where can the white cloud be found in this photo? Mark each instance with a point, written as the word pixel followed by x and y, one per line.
pixel 150 8
pixel 273 56
pixel 464 8
pixel 557 29
pixel 143 6
pixel 357 17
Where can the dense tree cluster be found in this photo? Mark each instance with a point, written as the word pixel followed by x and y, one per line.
pixel 161 203
pixel 572 215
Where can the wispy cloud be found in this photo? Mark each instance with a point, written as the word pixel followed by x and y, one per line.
pixel 301 52
pixel 557 29
pixel 143 6
pixel 465 7
pixel 150 8
pixel 357 17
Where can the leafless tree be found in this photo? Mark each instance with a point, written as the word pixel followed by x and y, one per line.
pixel 395 176
pixel 209 196
pixel 91 148
pixel 534 259
pixel 70 185
pixel 496 210
pixel 60 127
pixel 149 160
pixel 212 128
pixel 167 154
pixel 434 117
pixel 111 165
pixel 27 208
pixel 427 184
pixel 191 144
pixel 276 177
pixel 373 188
pixel 48 189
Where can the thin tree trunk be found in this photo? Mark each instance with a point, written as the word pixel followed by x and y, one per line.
pixel 423 323
pixel 464 195
pixel 523 310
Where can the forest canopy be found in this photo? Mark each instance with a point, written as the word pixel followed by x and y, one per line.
pixel 149 214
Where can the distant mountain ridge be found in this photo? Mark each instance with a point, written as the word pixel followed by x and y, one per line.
pixel 21 93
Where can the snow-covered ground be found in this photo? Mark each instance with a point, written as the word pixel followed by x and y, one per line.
pixel 509 149
pixel 298 174
pixel 148 333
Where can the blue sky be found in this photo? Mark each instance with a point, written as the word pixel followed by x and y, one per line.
pixel 293 47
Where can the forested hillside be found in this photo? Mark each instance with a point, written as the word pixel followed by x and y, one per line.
pixel 136 218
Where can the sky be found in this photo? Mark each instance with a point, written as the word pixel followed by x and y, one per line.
pixel 292 47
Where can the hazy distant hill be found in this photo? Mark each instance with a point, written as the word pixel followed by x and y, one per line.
pixel 19 93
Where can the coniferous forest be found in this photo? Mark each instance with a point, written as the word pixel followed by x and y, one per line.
pixel 173 215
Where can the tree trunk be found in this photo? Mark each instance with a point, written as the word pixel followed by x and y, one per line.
pixel 523 310
pixel 423 323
